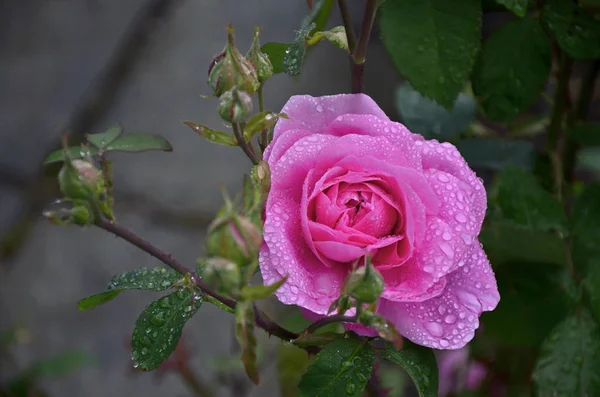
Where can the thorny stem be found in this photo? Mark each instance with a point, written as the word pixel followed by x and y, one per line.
pixel 556 121
pixel 365 32
pixel 338 318
pixel 261 319
pixel 264 135
pixel 237 131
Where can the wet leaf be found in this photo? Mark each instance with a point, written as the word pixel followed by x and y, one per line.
pixel 569 359
pixel 420 364
pixel 433 44
pixel 139 142
pixel 256 292
pixel 342 368
pixel 214 136
pixel 75 152
pixel 336 36
pixel 512 69
pixel 261 121
pixel 103 139
pixel 158 328
pixel 151 279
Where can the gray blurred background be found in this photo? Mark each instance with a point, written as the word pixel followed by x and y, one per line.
pixel 80 66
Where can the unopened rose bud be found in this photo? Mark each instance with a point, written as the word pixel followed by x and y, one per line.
pixel 261 62
pixel 79 179
pixel 261 175
pixel 78 215
pixel 234 237
pixel 230 69
pixel 235 106
pixel 365 284
pixel 222 274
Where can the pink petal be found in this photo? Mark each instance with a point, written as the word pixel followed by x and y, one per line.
pixel 449 320
pixel 310 283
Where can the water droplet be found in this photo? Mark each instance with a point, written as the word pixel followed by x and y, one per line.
pixel 319 108
pixel 460 217
pixel 144 351
pixel 444 343
pixel 443 177
pixel 469 300
pixel 157 319
pixel 434 329
pixel 350 388
pixel 450 319
pixel 447 236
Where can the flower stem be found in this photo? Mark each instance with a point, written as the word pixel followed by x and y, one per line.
pixel 347 25
pixel 556 121
pixel 261 319
pixel 246 146
pixel 261 108
pixel 338 318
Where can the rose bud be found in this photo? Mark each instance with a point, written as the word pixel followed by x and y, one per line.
pixel 79 179
pixel 261 62
pixel 235 106
pixel 234 237
pixel 365 284
pixel 230 69
pixel 222 274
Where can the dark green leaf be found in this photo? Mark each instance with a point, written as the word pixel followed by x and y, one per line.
pixel 524 203
pixel 256 292
pixel 61 365
pixel 586 133
pixel 585 228
pixel 75 152
pixel 423 116
pixel 576 31
pixel 433 43
pixel 244 333
pixel 214 136
pixel 139 142
pixel 592 285
pixel 589 159
pixel 505 243
pixel 513 68
pixel 276 53
pixel 519 7
pixel 102 139
pixel 151 279
pixel 319 14
pixel 495 154
pixel 158 329
pixel 342 368
pixel 419 362
pixel 259 122
pixel 569 359
pixel 291 364
pixel 522 318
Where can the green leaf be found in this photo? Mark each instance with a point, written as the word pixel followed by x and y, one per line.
pixel 75 152
pixel 512 69
pixel 419 362
pixel 291 364
pixel 259 122
pixel 276 53
pixel 319 14
pixel 244 333
pixel 592 286
pixel 103 139
pixel 214 136
pixel 423 116
pixel 139 142
pixel 522 318
pixel 61 365
pixel 585 228
pixel 589 159
pixel 152 279
pixel 524 203
pixel 586 133
pixel 256 292
pixel 519 7
pixel 432 43
pixel 158 329
pixel 294 55
pixel 336 36
pixel 569 359
pixel 576 31
pixel 496 154
pixel 506 243
pixel 342 368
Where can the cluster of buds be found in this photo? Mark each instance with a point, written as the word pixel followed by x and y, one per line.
pixel 235 78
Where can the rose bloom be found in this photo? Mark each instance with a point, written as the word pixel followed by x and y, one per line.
pixel 347 182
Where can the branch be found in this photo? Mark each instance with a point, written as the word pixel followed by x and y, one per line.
pixel 244 145
pixel 347 25
pixel 261 319
pixel 338 318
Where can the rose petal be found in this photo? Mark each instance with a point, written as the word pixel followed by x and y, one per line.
pixel 449 320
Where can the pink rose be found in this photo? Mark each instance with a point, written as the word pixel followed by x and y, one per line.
pixel 347 182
